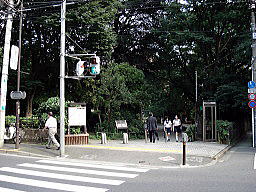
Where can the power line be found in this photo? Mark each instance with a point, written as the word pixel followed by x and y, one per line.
pixel 8 4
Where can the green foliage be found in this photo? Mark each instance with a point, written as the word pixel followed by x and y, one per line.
pixel 223 129
pixel 25 122
pixel 120 90
pixel 167 42
pixel 75 130
pixel 10 119
pixel 31 122
pixel 52 104
pixel 191 132
pixel 231 90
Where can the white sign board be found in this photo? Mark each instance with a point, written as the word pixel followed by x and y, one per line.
pixel 14 57
pixel 76 116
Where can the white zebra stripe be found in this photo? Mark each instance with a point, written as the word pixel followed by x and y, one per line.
pixel 62 176
pixel 76 170
pixel 50 185
pixel 119 168
pixel 9 190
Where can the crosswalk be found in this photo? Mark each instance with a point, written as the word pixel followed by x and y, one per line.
pixel 47 175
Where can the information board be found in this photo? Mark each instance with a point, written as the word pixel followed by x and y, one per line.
pixel 76 116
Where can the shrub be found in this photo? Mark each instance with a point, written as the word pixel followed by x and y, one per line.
pixel 191 132
pixel 10 119
pixel 223 128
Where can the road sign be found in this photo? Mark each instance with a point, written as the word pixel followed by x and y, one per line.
pixel 253 90
pixel 14 57
pixel 18 95
pixel 252 104
pixel 252 96
pixel 251 84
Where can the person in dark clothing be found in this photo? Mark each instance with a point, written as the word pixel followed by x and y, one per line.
pixel 152 127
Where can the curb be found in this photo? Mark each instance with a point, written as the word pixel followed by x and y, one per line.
pixel 24 153
pixel 222 152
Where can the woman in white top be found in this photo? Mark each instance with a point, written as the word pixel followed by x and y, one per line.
pixel 177 127
pixel 167 128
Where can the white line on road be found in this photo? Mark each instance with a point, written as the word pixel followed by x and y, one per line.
pixel 62 176
pixel 94 166
pixel 9 190
pixel 76 170
pixel 50 185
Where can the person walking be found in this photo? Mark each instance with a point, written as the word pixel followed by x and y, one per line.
pixel 177 127
pixel 51 125
pixel 152 127
pixel 167 129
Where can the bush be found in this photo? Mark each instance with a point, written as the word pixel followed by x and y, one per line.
pixel 10 119
pixel 191 132
pixel 223 129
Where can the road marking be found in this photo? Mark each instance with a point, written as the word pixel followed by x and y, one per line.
pixel 167 158
pixel 50 185
pixel 62 176
pixel 94 166
pixel 255 161
pixel 132 148
pixel 76 170
pixel 9 190
pixel 11 150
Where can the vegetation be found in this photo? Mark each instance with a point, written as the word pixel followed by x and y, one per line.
pixel 149 50
pixel 223 129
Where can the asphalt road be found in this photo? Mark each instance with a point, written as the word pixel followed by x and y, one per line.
pixel 234 172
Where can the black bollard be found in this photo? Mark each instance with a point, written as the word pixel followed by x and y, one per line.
pixel 184 141
pixel 184 153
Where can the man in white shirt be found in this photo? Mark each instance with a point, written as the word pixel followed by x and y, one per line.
pixel 51 125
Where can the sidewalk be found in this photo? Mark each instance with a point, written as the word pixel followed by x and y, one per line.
pixel 159 154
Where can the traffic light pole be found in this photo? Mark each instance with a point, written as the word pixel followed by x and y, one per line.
pixel 62 78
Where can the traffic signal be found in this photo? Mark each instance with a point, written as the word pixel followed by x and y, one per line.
pixel 94 65
pixel 80 68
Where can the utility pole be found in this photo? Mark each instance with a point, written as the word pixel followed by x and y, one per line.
pixel 5 67
pixel 196 123
pixel 253 65
pixel 18 83
pixel 62 78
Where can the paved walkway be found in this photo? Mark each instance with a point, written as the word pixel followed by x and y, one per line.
pixel 161 153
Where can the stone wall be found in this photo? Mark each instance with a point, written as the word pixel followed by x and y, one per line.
pixel 34 135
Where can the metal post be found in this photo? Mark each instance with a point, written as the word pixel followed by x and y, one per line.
pixel 184 141
pixel 184 153
pixel 18 83
pixel 4 78
pixel 196 123
pixel 62 80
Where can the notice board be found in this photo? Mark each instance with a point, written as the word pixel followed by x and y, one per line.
pixel 76 116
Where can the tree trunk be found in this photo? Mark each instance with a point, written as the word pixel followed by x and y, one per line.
pixel 29 111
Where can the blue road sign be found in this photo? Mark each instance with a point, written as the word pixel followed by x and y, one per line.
pixel 252 104
pixel 251 84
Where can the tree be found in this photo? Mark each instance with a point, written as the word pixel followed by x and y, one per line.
pixel 120 90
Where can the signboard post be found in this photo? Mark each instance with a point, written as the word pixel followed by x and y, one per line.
pixel 76 116
pixel 252 105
